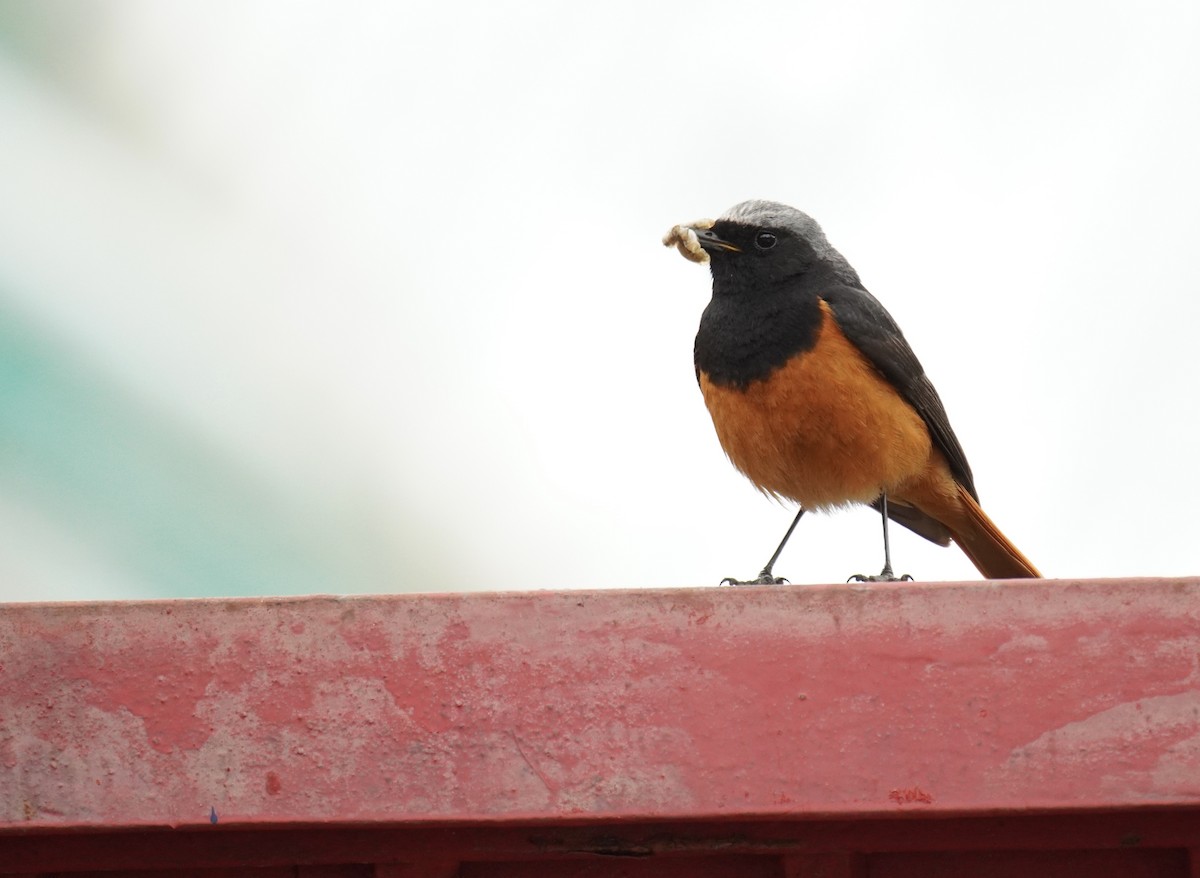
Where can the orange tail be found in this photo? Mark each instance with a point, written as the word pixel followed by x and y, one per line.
pixel 988 549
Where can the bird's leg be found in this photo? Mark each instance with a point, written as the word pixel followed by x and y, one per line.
pixel 765 576
pixel 885 575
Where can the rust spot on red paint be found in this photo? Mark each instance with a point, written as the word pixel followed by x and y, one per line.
pixel 911 796
pixel 274 785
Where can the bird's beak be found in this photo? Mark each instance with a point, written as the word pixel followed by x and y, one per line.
pixel 709 241
pixel 696 240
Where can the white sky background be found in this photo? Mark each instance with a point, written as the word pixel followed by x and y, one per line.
pixel 405 258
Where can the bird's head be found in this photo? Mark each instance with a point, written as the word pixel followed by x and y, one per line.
pixel 758 243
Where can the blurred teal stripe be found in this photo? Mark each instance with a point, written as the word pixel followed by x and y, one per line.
pixel 156 501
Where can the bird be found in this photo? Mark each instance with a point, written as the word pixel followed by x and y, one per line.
pixel 817 397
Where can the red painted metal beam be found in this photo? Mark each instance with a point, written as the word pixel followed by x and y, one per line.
pixel 697 707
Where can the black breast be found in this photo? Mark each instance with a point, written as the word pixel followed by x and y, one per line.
pixel 743 339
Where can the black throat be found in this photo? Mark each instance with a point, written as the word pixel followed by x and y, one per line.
pixel 754 325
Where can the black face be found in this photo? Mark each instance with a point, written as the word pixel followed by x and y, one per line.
pixel 765 306
pixel 765 257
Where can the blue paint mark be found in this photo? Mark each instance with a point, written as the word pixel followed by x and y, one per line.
pixel 212 814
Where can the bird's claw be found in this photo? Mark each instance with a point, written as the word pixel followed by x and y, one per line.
pixel 885 575
pixel 764 578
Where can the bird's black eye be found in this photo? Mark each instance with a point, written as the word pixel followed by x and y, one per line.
pixel 764 240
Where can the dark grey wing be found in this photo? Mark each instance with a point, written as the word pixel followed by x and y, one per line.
pixel 871 329
pixel 916 521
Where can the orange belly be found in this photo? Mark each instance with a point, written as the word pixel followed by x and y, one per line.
pixel 824 429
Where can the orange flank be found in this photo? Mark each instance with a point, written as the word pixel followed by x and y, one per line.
pixel 825 429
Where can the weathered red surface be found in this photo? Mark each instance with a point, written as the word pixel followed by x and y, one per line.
pixel 774 701
pixel 785 703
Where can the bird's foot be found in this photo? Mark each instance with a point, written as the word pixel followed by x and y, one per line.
pixel 885 575
pixel 764 578
pixel 891 577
